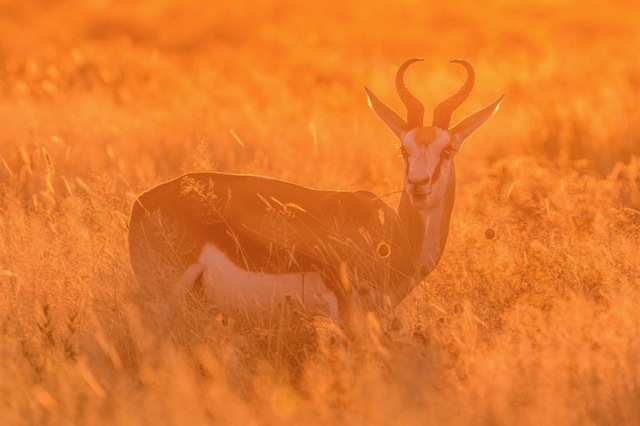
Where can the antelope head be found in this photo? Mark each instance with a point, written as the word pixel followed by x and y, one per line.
pixel 428 151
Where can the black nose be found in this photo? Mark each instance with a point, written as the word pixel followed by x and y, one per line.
pixel 423 181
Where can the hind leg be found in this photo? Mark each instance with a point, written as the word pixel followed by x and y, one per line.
pixel 191 279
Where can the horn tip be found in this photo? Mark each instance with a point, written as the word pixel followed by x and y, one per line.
pixel 412 60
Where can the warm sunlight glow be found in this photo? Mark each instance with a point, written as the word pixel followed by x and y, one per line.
pixel 530 316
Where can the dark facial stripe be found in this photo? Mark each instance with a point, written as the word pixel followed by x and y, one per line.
pixel 436 172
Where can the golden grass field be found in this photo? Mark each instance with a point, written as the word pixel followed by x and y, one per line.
pixel 102 99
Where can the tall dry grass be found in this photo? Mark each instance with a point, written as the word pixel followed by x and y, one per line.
pixel 101 99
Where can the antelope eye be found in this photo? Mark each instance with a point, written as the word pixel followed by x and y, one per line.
pixel 446 153
pixel 404 152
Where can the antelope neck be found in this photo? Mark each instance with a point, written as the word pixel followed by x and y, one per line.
pixel 428 228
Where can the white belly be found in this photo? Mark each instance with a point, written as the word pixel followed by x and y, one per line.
pixel 259 297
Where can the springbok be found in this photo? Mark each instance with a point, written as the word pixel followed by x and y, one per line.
pixel 256 244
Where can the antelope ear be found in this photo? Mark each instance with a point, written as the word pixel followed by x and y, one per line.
pixel 386 114
pixel 471 123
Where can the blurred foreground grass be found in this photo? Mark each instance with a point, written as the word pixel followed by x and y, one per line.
pixel 102 99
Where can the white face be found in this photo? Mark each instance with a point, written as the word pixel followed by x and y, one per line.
pixel 428 160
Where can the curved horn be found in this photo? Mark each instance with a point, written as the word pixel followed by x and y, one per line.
pixel 442 113
pixel 415 109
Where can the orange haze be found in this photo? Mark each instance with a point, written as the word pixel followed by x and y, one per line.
pixel 532 314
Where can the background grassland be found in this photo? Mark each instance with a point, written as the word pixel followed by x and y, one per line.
pixel 101 99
